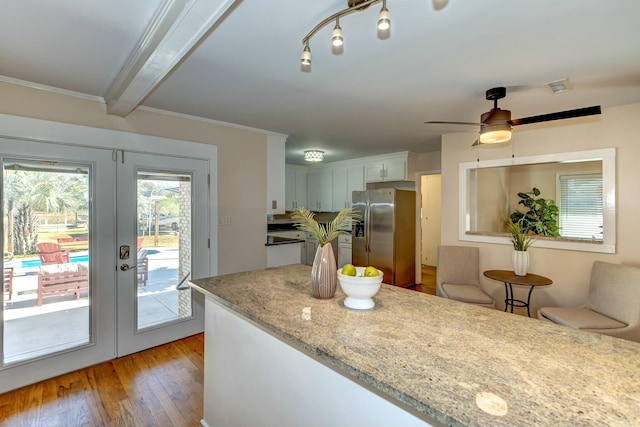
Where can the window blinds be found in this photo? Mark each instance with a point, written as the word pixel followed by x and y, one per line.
pixel 581 206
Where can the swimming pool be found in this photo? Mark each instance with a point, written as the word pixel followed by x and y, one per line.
pixel 36 262
pixel 78 258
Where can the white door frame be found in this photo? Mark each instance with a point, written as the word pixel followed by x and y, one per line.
pixel 69 135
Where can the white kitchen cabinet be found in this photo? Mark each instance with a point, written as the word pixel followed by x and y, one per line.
pixel 295 187
pixel 346 179
pixel 320 189
pixel 389 168
pixel 344 249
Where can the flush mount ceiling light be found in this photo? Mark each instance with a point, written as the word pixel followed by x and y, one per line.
pixel 314 155
pixel 337 38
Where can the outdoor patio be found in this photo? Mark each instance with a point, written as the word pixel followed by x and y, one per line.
pixel 31 330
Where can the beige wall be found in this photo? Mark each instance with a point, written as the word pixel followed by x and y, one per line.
pixel 428 162
pixel 617 127
pixel 241 162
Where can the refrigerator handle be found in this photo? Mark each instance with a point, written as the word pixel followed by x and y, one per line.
pixel 367 229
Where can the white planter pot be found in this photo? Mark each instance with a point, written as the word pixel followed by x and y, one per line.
pixel 520 260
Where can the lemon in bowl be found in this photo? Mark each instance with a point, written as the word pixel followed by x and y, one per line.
pixel 360 288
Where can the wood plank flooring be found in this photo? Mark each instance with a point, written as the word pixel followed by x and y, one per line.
pixel 428 285
pixel 161 386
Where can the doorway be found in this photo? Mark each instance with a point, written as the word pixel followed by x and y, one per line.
pixel 430 190
pixel 74 228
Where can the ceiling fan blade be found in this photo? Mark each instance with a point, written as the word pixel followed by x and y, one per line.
pixel 569 114
pixel 436 122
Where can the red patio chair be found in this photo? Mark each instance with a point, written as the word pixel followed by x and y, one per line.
pixel 52 253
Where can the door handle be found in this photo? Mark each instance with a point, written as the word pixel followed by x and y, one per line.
pixel 125 267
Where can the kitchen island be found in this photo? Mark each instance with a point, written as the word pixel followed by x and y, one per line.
pixel 414 359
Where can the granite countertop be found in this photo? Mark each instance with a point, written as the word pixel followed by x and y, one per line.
pixel 273 241
pixel 460 364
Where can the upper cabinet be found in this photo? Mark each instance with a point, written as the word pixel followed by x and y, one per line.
pixel 328 187
pixel 320 189
pixel 295 187
pixel 346 179
pixel 396 167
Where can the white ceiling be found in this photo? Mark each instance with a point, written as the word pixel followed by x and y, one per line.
pixel 373 98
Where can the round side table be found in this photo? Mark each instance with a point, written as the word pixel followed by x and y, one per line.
pixel 509 279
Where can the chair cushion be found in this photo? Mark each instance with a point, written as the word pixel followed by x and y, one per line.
pixel 580 318
pixel 466 293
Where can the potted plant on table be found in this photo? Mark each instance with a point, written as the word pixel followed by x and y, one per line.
pixel 324 274
pixel 521 239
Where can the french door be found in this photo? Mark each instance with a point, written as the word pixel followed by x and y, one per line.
pixel 162 242
pixel 96 243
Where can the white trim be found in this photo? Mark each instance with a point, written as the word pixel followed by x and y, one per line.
pixel 177 27
pixel 210 121
pixel 52 89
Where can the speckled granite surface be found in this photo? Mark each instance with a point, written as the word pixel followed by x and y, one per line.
pixel 460 364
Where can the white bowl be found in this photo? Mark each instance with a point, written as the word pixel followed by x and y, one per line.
pixel 360 289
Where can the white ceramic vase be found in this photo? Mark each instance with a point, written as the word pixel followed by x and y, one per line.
pixel 324 273
pixel 520 260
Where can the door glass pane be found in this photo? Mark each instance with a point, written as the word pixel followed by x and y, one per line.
pixel 164 248
pixel 46 299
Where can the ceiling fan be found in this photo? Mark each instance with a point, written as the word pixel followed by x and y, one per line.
pixel 496 124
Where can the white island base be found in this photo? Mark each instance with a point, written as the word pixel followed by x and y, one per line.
pixel 254 379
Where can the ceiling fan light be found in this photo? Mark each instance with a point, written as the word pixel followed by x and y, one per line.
pixel 337 38
pixel 495 136
pixel 384 19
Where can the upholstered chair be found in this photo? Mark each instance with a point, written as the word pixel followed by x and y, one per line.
pixel 458 275
pixel 612 307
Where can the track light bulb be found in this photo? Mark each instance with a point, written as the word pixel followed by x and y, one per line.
pixel 337 38
pixel 305 59
pixel 384 19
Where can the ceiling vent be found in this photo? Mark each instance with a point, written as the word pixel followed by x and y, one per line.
pixel 559 86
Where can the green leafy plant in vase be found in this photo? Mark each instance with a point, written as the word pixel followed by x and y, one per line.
pixel 324 276
pixel 521 239
pixel 541 218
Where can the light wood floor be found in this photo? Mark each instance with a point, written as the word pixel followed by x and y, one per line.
pixel 162 386
pixel 428 285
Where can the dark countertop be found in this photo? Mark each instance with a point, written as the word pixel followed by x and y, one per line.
pixel 274 241
pixel 461 364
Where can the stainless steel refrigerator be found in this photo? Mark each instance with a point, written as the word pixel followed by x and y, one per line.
pixel 385 238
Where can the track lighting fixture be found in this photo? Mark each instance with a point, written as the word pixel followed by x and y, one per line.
pixel 305 59
pixel 337 38
pixel 384 19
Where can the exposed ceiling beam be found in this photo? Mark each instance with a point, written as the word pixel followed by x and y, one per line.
pixel 177 27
